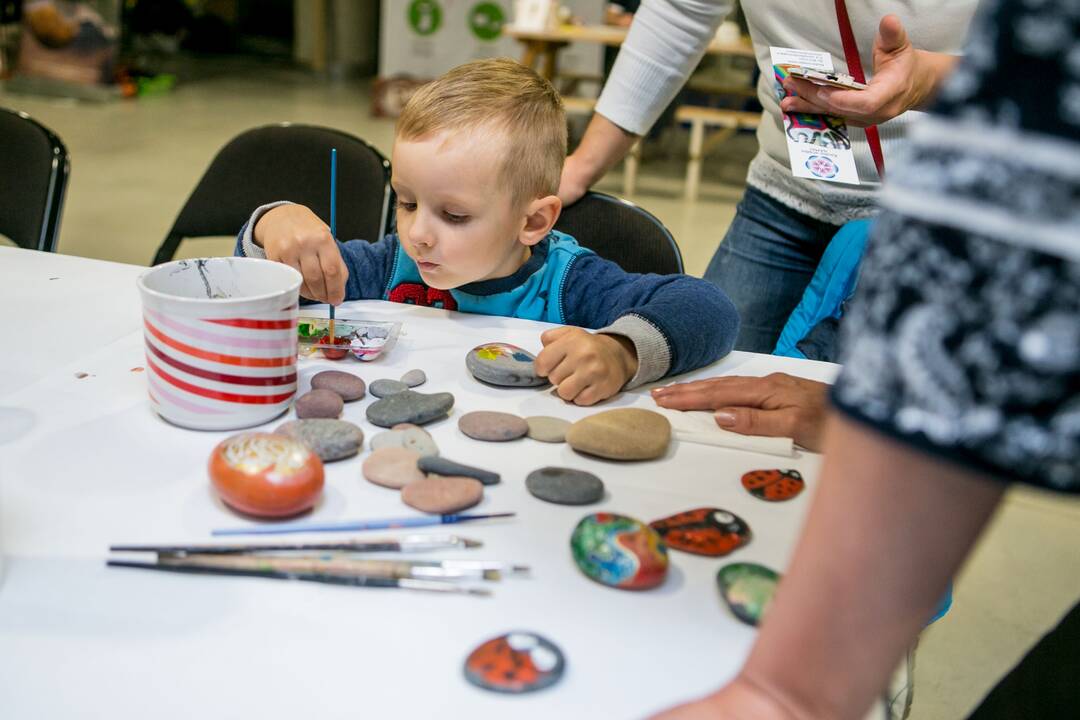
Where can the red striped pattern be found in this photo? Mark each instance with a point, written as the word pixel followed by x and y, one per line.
pixel 221 372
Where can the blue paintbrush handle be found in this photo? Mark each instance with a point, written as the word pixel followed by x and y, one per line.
pixel 344 526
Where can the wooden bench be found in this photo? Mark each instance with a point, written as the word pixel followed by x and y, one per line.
pixel 700 118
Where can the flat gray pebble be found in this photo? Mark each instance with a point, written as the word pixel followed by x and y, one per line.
pixel 565 486
pixel 504 365
pixel 492 426
pixel 319 403
pixel 413 378
pixel 411 439
pixel 329 439
pixel 442 466
pixel 347 385
pixel 410 407
pixel 547 429
pixel 386 388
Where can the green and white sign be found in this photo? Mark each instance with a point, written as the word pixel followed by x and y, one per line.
pixel 486 20
pixel 425 16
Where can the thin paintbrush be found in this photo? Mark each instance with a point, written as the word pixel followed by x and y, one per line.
pixel 408 544
pixel 355 525
pixel 333 223
pixel 353 580
pixel 336 565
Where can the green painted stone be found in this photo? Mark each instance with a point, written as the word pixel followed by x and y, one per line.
pixel 748 590
pixel 619 551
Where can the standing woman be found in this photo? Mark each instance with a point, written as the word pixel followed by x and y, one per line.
pixel 783 223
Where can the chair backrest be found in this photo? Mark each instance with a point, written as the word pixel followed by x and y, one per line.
pixel 34 171
pixel 286 162
pixel 623 233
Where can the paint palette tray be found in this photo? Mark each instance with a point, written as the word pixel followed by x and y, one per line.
pixel 363 339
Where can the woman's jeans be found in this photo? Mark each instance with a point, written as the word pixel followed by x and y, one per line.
pixel 764 264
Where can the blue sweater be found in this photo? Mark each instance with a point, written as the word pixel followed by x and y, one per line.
pixel 677 323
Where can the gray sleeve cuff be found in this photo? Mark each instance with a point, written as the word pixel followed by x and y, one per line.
pixel 247 243
pixel 653 352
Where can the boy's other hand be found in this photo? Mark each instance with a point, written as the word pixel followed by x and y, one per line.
pixel 295 236
pixel 586 367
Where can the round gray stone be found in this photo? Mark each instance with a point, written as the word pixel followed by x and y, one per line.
pixel 547 429
pixel 414 378
pixel 386 388
pixel 347 385
pixel 320 403
pixel 411 439
pixel 329 439
pixel 565 486
pixel 410 406
pixel 492 426
pixel 504 365
pixel 442 466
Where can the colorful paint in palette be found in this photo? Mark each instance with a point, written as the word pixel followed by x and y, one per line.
pixel 364 339
pixel 619 551
pixel 704 531
pixel 748 589
pixel 518 662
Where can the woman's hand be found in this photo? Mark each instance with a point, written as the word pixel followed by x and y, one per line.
pixel 776 405
pixel 904 78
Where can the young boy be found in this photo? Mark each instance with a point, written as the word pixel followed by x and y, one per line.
pixel 476 164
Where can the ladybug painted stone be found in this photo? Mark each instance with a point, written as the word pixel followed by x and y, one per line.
pixel 704 531
pixel 748 590
pixel 619 551
pixel 518 662
pixel 773 485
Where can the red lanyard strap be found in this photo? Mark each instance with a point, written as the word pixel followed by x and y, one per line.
pixel 854 64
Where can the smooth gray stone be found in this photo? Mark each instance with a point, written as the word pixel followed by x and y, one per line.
pixel 442 466
pixel 412 439
pixel 409 406
pixel 565 486
pixel 329 439
pixel 492 426
pixel 386 388
pixel 414 378
pixel 547 429
pixel 504 365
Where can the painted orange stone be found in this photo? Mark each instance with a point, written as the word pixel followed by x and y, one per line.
pixel 266 475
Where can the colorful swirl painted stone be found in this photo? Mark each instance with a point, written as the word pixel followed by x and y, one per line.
pixel 266 475
pixel 704 531
pixel 504 365
pixel 518 662
pixel 748 590
pixel 773 485
pixel 619 551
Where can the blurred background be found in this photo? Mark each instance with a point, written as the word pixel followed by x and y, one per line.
pixel 144 93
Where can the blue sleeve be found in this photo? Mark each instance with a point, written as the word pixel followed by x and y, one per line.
pixel 698 321
pixel 369 264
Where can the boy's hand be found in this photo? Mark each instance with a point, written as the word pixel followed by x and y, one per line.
pixel 586 367
pixel 295 236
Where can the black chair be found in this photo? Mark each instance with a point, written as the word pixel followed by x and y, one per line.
pixel 286 162
pixel 34 170
pixel 623 233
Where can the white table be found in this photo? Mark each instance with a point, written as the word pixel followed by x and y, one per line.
pixel 85 463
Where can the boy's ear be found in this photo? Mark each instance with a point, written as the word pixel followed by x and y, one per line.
pixel 540 217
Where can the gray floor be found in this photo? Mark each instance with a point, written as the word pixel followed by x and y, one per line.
pixel 135 162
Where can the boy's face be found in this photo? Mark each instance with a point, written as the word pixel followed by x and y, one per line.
pixel 454 216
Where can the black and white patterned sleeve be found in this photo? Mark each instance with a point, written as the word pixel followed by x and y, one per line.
pixel 964 340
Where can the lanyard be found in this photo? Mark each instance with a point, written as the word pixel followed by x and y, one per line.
pixel 851 55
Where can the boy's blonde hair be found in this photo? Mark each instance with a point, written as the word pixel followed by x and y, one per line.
pixel 508 97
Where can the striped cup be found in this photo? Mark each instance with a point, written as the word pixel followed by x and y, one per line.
pixel 220 340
